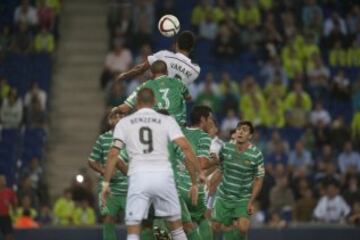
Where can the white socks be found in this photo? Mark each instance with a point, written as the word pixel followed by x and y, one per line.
pixel 178 234
pixel 133 237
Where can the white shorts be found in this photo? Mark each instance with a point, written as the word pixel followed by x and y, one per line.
pixel 157 188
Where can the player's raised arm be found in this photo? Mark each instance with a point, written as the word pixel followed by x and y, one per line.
pixel 133 72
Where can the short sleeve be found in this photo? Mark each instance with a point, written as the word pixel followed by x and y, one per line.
pixel 203 150
pixel 174 130
pixel 260 169
pixel 123 155
pixel 96 153
pixel 131 100
pixel 156 56
pixel 119 131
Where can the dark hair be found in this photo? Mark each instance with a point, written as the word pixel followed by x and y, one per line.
pixel 158 67
pixel 163 111
pixel 186 41
pixel 198 112
pixel 146 95
pixel 246 123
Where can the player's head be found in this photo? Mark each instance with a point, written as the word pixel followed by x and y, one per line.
pixel 185 41
pixel 201 116
pixel 114 117
pixel 158 68
pixel 244 131
pixel 145 98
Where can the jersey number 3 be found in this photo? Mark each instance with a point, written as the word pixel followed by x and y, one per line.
pixel 146 138
pixel 165 104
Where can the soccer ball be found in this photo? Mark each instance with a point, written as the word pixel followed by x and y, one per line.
pixel 169 25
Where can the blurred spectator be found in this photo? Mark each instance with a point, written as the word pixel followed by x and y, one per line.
pixel 25 206
pixel 354 217
pixel 121 28
pixel 339 132
pixel 252 103
pixel 222 11
pixel 46 15
pixel 44 41
pixel 64 209
pixel 331 208
pixel 8 201
pixel 208 97
pixel 143 14
pixel 273 70
pixel 300 157
pixel 322 134
pixel 309 50
pixel 248 13
pixel 45 217
pixel 250 37
pixel 325 156
pixel 308 138
pixel 275 221
pixel 319 76
pixel 225 42
pixel 281 196
pixel 26 189
pixel 259 141
pixel 292 61
pixel 25 13
pixel 310 11
pixel 11 111
pixel 298 105
pixel 22 39
pixel 35 116
pixel 353 19
pixel 337 55
pixel 5 40
pixel 141 36
pixel 304 207
pixel 340 87
pixel 229 122
pixel 34 171
pixel 352 190
pixel 84 214
pixel 258 217
pixel 145 51
pixel 349 160
pixel 319 114
pixel 353 53
pixel 274 141
pixel 336 35
pixel 4 88
pixel 167 7
pixel 275 108
pixel 199 12
pixel 355 129
pixel 275 89
pixel 332 21
pixel 208 27
pixel 227 84
pixel 36 91
pixel 116 61
pixel 279 156
pixel 327 174
pixel 117 94
pixel 26 221
pixel 134 83
pixel 289 24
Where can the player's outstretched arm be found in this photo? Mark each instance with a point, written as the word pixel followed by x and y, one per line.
pixel 97 167
pixel 133 72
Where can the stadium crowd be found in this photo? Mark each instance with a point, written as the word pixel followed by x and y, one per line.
pixel 303 94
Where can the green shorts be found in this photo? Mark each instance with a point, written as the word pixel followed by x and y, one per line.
pixel 114 205
pixel 190 212
pixel 226 211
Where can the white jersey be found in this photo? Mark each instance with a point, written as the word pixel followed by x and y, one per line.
pixel 146 134
pixel 179 66
pixel 216 145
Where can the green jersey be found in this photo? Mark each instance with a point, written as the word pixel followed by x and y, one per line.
pixel 169 93
pixel 200 142
pixel 239 170
pixel 119 182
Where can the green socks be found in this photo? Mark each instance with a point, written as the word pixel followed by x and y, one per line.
pixel 147 234
pixel 205 230
pixel 233 235
pixel 109 232
pixel 194 235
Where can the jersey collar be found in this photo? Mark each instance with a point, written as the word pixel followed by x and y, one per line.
pixel 162 76
pixel 146 109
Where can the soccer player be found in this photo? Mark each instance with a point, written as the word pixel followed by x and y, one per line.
pixel 7 201
pixel 242 167
pixel 202 121
pixel 145 134
pixel 170 93
pixel 119 183
pixel 179 63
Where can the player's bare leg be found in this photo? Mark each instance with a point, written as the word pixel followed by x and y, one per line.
pixel 243 225
pixel 133 232
pixel 176 228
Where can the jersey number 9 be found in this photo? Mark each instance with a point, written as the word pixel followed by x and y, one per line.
pixel 146 139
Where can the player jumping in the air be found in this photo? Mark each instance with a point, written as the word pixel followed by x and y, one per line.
pixel 145 134
pixel 242 168
pixel 193 216
pixel 179 64
pixel 170 93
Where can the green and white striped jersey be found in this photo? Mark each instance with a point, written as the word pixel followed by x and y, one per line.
pixel 119 182
pixel 169 93
pixel 200 142
pixel 239 170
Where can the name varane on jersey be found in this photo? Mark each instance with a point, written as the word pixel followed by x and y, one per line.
pixel 239 170
pixel 119 182
pixel 179 66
